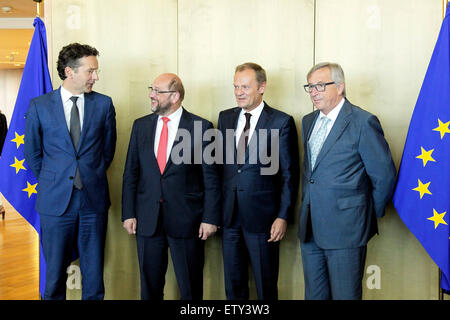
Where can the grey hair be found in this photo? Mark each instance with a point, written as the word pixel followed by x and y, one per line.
pixel 337 74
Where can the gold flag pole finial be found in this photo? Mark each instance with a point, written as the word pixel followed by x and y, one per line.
pixel 444 7
pixel 38 2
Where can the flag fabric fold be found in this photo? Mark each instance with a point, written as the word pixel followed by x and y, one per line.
pixel 422 195
pixel 18 184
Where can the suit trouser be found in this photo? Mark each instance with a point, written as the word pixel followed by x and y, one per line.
pixel 79 230
pixel 241 247
pixel 188 260
pixel 332 273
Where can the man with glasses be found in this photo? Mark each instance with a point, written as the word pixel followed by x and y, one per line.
pixel 70 140
pixel 348 179
pixel 167 203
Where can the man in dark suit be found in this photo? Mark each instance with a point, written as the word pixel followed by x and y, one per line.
pixel 70 139
pixel 348 178
pixel 258 195
pixel 3 130
pixel 167 202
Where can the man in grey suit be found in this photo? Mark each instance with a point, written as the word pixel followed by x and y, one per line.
pixel 348 179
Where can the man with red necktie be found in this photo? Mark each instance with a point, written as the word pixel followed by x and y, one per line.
pixel 168 204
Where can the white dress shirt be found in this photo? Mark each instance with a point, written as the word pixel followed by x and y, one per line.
pixel 332 115
pixel 67 104
pixel 253 121
pixel 172 128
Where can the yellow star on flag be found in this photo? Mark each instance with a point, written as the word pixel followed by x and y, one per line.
pixel 422 188
pixel 426 156
pixel 18 139
pixel 438 218
pixel 442 128
pixel 31 188
pixel 18 165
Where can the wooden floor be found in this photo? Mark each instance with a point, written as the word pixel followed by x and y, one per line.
pixel 19 258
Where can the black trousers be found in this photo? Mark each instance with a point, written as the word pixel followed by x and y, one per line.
pixel 188 260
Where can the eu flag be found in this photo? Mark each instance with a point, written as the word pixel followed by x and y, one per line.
pixel 422 195
pixel 18 182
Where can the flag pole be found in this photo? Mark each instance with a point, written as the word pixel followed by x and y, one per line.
pixel 38 14
pixel 444 6
pixel 440 291
pixel 38 3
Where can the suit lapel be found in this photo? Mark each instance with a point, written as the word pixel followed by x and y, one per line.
pixel 60 116
pixel 307 130
pixel 149 139
pixel 264 118
pixel 231 123
pixel 89 107
pixel 339 126
pixel 185 123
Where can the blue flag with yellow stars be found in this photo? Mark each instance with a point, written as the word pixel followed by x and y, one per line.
pixel 19 186
pixel 422 195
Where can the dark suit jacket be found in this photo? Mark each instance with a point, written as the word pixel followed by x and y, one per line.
pixel 3 131
pixel 189 192
pixel 351 183
pixel 53 159
pixel 260 198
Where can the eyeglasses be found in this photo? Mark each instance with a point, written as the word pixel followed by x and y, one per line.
pixel 157 91
pixel 319 87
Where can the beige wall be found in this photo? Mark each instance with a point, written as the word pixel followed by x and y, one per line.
pixel 384 47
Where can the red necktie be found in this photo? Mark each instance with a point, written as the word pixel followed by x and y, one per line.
pixel 161 158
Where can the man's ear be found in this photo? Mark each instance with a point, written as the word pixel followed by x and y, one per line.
pixel 175 97
pixel 341 88
pixel 68 72
pixel 262 87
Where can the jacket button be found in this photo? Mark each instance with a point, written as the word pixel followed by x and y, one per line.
pixel 161 200
pixel 311 181
pixel 78 158
pixel 70 178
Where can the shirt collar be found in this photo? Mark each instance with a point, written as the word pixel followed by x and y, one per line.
pixel 255 112
pixel 333 114
pixel 174 116
pixel 66 95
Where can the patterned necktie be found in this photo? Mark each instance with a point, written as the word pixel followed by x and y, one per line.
pixel 316 142
pixel 75 133
pixel 243 139
pixel 161 157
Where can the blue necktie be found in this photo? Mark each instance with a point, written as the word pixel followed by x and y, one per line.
pixel 316 141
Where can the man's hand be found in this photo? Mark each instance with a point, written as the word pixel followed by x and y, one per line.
pixel 206 230
pixel 278 230
pixel 130 225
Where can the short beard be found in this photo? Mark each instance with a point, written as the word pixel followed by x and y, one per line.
pixel 162 109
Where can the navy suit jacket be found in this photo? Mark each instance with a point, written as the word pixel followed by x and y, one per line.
pixel 53 159
pixel 351 183
pixel 261 198
pixel 189 192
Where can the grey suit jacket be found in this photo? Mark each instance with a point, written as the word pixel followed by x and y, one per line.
pixel 351 183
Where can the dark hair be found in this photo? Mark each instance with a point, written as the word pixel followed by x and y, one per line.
pixel 260 72
pixel 69 57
